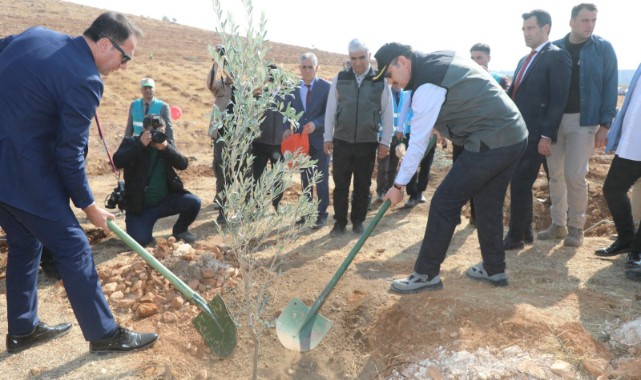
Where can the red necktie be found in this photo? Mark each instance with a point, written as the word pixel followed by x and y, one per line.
pixel 517 81
pixel 309 95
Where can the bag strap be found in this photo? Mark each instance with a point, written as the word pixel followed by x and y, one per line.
pixel 104 143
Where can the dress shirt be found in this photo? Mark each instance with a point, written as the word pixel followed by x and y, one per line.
pixel 631 128
pixel 426 106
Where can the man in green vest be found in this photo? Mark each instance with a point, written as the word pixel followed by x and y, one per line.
pixel 355 106
pixel 148 105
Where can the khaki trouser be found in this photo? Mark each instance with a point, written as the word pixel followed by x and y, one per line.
pixel 568 166
pixel 636 202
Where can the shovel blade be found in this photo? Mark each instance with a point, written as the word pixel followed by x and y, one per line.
pixel 291 332
pixel 216 327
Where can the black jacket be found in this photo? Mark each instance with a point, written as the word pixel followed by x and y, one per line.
pixel 133 157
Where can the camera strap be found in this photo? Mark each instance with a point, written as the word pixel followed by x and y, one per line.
pixel 104 143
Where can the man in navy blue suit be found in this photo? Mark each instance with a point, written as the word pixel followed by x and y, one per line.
pixel 310 97
pixel 540 91
pixel 51 87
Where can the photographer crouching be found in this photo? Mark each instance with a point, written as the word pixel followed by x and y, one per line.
pixel 152 187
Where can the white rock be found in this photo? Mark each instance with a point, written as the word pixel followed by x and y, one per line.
pixel 182 249
pixel 629 334
pixel 563 369
pixel 531 368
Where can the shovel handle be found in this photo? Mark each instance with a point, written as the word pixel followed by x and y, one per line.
pixel 348 260
pixel 157 265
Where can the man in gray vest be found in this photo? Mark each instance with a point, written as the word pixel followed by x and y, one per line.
pixel 355 107
pixel 460 100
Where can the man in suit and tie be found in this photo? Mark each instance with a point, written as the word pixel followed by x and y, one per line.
pixel 310 97
pixel 51 87
pixel 540 91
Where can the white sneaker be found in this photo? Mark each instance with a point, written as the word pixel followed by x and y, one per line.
pixel 477 272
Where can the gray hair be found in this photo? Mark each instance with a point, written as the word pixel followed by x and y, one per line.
pixel 309 56
pixel 357 45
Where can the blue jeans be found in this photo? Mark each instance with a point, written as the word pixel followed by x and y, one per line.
pixel 484 176
pixel 140 226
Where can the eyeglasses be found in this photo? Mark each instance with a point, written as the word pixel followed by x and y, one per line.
pixel 125 57
pixel 307 67
pixel 393 63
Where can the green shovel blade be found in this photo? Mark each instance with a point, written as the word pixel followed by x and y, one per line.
pixel 216 327
pixel 214 323
pixel 300 328
pixel 296 336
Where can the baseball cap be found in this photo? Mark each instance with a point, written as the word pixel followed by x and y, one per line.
pixel 386 54
pixel 147 82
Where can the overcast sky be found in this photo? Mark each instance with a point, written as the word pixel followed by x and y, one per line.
pixel 426 25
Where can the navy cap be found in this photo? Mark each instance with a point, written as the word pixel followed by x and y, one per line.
pixel 386 54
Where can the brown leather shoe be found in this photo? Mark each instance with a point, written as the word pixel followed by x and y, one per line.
pixel 41 333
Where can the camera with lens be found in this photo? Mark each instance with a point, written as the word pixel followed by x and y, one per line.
pixel 220 49
pixel 156 122
pixel 117 197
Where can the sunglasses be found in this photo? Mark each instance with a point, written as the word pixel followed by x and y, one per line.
pixel 125 57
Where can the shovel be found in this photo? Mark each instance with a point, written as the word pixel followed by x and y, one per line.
pixel 213 323
pixel 300 328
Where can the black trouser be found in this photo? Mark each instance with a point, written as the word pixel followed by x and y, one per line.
pixel 622 175
pixel 264 153
pixel 456 151
pixel 218 169
pixel 521 184
pixel 484 176
pixel 386 172
pixel 224 179
pixel 358 160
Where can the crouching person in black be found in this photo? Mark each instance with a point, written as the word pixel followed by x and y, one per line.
pixel 152 187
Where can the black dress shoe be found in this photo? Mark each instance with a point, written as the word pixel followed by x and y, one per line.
pixel 123 340
pixel 337 230
pixel 42 333
pixel 320 223
pixel 633 260
pixel 358 228
pixel 619 246
pixel 528 238
pixel 510 243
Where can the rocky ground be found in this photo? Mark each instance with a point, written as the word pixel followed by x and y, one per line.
pixel 566 314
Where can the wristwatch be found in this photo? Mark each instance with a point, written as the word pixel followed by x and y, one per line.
pixel 605 125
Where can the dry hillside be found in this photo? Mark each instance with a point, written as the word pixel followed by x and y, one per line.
pixel 563 315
